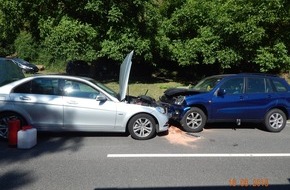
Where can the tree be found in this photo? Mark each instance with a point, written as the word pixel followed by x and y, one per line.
pixel 9 26
pixel 233 34
pixel 240 35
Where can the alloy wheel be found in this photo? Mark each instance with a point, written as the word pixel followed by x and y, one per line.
pixel 194 120
pixel 276 120
pixel 142 127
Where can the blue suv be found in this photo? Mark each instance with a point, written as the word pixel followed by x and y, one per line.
pixel 246 97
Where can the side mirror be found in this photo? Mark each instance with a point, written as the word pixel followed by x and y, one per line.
pixel 101 98
pixel 221 92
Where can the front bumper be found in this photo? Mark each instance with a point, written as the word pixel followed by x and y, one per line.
pixel 163 123
pixel 175 112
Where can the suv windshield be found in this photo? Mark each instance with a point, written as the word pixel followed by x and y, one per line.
pixel 208 83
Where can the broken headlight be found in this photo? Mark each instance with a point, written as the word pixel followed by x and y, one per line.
pixel 179 100
pixel 161 109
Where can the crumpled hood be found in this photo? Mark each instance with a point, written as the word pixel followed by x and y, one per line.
pixel 180 91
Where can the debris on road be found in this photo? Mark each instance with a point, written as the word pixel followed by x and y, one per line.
pixel 179 137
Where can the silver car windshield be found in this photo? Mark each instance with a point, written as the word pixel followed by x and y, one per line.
pixel 105 88
pixel 207 84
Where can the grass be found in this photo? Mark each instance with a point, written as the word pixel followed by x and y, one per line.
pixel 153 89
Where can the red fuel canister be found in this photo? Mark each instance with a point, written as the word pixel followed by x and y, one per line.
pixel 13 128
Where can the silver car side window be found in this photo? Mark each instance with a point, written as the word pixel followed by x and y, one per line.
pixel 45 86
pixel 78 89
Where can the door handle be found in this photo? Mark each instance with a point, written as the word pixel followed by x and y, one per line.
pixel 72 102
pixel 24 98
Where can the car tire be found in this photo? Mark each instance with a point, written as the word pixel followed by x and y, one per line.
pixel 275 120
pixel 4 119
pixel 142 127
pixel 194 120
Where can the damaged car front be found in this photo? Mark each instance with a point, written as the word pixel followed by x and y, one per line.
pixel 233 98
pixel 197 99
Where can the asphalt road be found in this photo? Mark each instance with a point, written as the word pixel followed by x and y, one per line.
pixel 220 157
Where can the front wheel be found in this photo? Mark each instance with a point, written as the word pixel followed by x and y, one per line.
pixel 142 127
pixel 275 120
pixel 194 120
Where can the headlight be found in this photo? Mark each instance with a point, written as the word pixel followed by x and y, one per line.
pixel 179 100
pixel 161 110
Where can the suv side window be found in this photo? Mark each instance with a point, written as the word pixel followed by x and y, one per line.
pixel 279 86
pixel 234 86
pixel 256 85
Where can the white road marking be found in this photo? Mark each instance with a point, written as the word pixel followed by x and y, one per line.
pixel 195 155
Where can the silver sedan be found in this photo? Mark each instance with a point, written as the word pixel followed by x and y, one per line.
pixel 68 103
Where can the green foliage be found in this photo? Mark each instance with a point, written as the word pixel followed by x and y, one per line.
pixel 9 25
pixel 274 58
pixel 226 33
pixel 25 46
pixel 68 39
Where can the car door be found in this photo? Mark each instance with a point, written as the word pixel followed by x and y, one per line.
pixel 83 112
pixel 230 104
pixel 259 97
pixel 39 99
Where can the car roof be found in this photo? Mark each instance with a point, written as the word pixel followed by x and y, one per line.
pixel 59 76
pixel 245 75
pixel 4 59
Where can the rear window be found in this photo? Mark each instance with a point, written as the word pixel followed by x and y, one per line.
pixel 279 86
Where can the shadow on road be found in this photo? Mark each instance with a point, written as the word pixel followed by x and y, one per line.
pixel 232 126
pixel 47 143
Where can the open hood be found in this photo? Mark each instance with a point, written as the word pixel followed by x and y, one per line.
pixel 124 75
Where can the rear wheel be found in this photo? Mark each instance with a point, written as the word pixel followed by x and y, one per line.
pixel 4 119
pixel 194 120
pixel 142 127
pixel 275 120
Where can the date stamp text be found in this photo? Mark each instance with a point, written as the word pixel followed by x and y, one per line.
pixel 247 182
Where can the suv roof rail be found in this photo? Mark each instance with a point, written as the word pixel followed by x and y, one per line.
pixel 260 74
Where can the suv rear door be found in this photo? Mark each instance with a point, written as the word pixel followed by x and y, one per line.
pixel 259 97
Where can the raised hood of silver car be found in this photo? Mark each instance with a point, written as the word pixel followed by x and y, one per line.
pixel 124 75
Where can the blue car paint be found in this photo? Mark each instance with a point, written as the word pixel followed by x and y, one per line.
pixel 243 106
